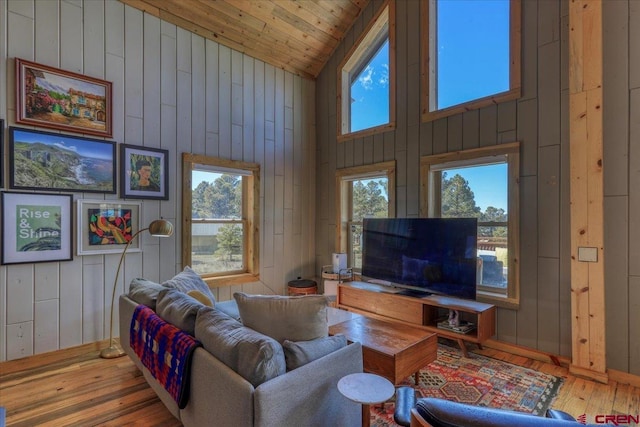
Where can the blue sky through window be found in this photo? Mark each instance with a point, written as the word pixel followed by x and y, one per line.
pixel 473 62
pixel 473 50
pixel 370 92
pixel 488 183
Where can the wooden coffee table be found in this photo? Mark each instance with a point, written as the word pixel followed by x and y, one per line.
pixel 392 350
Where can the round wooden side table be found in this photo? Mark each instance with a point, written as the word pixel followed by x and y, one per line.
pixel 302 287
pixel 367 389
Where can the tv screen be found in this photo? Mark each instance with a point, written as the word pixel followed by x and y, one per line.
pixel 433 254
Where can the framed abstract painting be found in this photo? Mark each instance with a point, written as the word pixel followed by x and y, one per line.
pixel 105 226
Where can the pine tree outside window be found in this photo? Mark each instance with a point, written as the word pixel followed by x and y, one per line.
pixel 220 204
pixel 363 192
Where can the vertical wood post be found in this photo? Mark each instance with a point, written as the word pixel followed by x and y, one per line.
pixel 587 196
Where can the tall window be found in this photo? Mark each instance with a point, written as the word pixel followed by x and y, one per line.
pixel 481 183
pixel 221 205
pixel 472 56
pixel 363 192
pixel 366 80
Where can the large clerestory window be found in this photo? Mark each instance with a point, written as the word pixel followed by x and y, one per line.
pixel 470 55
pixel 366 80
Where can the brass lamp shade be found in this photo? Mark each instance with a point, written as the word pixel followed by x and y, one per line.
pixel 157 228
pixel 161 228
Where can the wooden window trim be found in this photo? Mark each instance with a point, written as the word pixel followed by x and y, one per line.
pixel 343 207
pixel 250 212
pixel 429 207
pixel 362 48
pixel 428 73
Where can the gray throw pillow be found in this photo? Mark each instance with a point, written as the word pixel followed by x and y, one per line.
pixel 188 280
pixel 179 309
pixel 145 292
pixel 255 357
pixel 300 353
pixel 297 318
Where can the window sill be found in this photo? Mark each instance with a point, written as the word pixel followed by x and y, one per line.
pixel 498 300
pixel 510 95
pixel 366 132
pixel 231 280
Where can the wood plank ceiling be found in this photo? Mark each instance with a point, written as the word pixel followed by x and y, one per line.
pixel 298 36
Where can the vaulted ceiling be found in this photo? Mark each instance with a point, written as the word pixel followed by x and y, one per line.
pixel 298 36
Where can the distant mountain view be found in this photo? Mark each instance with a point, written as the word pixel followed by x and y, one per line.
pixel 48 166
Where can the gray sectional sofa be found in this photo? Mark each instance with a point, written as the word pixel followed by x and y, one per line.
pixel 242 377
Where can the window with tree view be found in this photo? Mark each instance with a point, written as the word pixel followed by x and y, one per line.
pixel 221 213
pixel 217 225
pixel 481 183
pixel 488 203
pixel 370 199
pixel 363 192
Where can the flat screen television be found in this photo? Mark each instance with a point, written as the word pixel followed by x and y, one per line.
pixel 436 255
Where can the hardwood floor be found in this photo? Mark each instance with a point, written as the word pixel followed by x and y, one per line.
pixel 77 388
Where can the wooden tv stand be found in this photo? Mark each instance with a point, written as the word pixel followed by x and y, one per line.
pixel 385 302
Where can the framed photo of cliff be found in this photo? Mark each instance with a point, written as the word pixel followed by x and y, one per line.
pixel 105 226
pixel 36 227
pixel 57 162
pixel 144 173
pixel 63 100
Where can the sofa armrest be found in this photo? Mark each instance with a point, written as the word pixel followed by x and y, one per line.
pixel 309 394
pixel 439 413
pixel 559 415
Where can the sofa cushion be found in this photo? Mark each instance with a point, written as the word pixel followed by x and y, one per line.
pixel 145 292
pixel 179 309
pixel 255 357
pixel 200 296
pixel 297 318
pixel 188 280
pixel 300 353
pixel 229 307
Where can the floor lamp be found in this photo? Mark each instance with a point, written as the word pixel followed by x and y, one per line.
pixel 157 228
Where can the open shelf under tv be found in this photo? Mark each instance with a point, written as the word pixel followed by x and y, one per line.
pixel 389 303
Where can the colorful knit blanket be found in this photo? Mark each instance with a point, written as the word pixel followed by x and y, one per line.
pixel 164 350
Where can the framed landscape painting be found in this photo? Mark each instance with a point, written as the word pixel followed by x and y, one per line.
pixel 36 227
pixel 56 162
pixel 105 226
pixel 144 172
pixel 63 100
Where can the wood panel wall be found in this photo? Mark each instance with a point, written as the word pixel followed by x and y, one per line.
pixel 621 152
pixel 172 90
pixel 540 121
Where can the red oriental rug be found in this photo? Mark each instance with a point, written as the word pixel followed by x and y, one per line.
pixel 478 380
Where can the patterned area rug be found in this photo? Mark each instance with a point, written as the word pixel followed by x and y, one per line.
pixel 478 380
